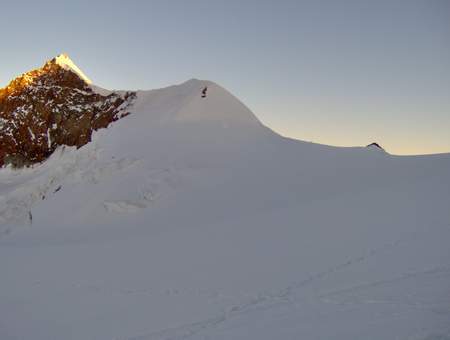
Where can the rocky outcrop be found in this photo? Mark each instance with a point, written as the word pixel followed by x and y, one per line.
pixel 49 107
pixel 374 144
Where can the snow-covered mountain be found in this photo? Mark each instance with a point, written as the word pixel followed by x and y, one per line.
pixel 52 106
pixel 189 219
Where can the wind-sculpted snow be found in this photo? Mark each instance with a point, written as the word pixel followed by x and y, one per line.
pixel 188 219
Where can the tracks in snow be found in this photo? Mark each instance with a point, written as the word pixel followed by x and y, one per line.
pixel 269 299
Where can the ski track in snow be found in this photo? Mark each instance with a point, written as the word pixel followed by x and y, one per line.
pixel 268 300
pixel 327 297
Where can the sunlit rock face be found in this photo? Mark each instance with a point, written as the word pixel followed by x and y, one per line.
pixel 52 106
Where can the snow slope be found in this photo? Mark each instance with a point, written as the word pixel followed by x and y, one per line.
pixel 65 62
pixel 189 219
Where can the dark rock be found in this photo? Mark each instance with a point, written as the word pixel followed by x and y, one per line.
pixel 375 145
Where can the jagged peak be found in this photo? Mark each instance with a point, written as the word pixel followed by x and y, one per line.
pixel 64 61
pixel 51 106
pixel 61 62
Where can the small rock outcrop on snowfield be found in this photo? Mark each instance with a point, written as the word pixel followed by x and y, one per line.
pixel 52 106
pixel 374 145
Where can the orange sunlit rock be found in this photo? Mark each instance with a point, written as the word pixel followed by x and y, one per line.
pixel 52 106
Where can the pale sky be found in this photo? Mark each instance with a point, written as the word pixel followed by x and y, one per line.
pixel 334 72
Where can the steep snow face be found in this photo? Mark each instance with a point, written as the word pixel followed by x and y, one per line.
pixel 65 62
pixel 190 219
pixel 196 101
pixel 209 102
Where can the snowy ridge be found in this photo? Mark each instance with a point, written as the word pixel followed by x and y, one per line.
pixel 65 62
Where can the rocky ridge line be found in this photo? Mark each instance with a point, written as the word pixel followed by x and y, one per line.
pixel 52 106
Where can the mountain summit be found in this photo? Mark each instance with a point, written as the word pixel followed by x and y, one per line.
pixel 65 62
pixel 51 106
